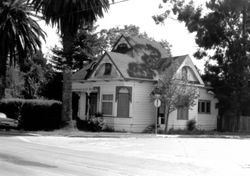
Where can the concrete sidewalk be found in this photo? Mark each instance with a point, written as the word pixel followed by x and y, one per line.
pixel 83 134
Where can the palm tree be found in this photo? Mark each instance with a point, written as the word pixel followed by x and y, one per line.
pixel 69 16
pixel 19 35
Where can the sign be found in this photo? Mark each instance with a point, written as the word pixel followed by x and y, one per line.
pixel 157 103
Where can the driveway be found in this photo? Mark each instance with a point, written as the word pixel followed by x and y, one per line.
pixel 130 156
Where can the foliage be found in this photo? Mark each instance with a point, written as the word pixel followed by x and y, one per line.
pixel 33 71
pixel 62 14
pixel 33 114
pixel 20 35
pixel 107 128
pixel 51 88
pixel 87 45
pixel 111 36
pixel 150 129
pixel 29 80
pixel 14 83
pixel 174 91
pixel 191 125
pixel 221 34
pixel 94 124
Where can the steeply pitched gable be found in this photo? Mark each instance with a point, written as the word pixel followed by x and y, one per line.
pixel 140 59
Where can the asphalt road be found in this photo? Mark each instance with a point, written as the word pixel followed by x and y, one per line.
pixel 34 156
pixel 19 157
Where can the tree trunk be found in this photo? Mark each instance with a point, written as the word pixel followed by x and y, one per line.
pixel 67 40
pixel 67 97
pixel 3 69
pixel 166 119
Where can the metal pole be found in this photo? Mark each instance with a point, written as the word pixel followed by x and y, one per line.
pixel 156 120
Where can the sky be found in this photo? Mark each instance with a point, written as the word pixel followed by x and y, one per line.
pixel 139 13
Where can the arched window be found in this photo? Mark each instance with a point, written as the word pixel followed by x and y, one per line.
pixel 123 101
pixel 122 48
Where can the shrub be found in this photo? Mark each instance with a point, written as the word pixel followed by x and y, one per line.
pixel 33 114
pixel 11 107
pixel 151 129
pixel 107 128
pixel 94 124
pixel 191 125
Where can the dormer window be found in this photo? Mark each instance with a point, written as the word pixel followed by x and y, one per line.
pixel 122 48
pixel 107 69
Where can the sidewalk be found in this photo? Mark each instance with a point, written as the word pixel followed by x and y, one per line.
pixel 84 134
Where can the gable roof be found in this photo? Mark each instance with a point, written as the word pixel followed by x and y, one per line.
pixel 85 72
pixel 127 64
pixel 146 62
pixel 136 41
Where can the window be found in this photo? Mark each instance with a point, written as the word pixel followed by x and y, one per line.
pixel 107 104
pixel 184 73
pixel 108 69
pixel 122 48
pixel 204 106
pixel 182 113
pixel 123 102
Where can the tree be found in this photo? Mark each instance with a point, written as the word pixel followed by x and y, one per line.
pixel 111 35
pixel 69 16
pixel 222 29
pixel 33 73
pixel 28 78
pixel 175 92
pixel 20 36
pixel 87 46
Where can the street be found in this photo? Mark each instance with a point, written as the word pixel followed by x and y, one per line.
pixel 54 156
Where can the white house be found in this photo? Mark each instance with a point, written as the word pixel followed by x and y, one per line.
pixel 119 85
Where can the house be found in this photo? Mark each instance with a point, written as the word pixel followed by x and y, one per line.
pixel 120 83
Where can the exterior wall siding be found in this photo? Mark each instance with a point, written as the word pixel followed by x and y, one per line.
pixel 203 121
pixel 141 110
pixel 144 110
pixel 207 121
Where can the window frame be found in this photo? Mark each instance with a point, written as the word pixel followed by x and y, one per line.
pixel 108 101
pixel 107 69
pixel 205 103
pixel 129 101
pixel 184 73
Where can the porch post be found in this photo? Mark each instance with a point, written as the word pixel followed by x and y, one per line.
pixel 82 106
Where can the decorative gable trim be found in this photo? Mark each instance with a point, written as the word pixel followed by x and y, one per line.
pixel 122 36
pixel 111 60
pixel 192 66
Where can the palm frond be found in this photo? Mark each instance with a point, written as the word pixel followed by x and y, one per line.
pixel 70 14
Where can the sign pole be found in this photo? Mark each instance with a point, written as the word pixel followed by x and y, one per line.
pixel 157 104
pixel 156 120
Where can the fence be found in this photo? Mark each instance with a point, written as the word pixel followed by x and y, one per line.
pixel 229 122
pixel 244 124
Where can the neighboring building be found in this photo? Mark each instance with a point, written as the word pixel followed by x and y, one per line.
pixel 119 85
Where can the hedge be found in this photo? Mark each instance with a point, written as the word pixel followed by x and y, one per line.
pixel 33 114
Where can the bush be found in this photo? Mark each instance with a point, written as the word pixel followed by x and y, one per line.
pixel 33 114
pixel 191 125
pixel 107 128
pixel 94 124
